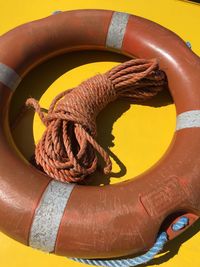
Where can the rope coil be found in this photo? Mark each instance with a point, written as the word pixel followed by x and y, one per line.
pixel 67 149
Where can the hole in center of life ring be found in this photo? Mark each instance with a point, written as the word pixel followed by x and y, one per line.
pixel 136 135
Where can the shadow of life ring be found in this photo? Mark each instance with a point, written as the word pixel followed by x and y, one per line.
pixel 114 220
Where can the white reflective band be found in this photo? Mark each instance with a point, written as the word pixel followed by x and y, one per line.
pixel 188 119
pixel 117 30
pixel 48 215
pixel 9 77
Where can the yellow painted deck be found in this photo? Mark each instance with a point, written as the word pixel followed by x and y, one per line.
pixel 137 134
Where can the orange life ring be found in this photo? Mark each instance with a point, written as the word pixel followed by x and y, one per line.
pixel 114 220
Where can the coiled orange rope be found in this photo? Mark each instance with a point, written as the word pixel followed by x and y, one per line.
pixel 67 149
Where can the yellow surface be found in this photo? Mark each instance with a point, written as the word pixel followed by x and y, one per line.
pixel 138 138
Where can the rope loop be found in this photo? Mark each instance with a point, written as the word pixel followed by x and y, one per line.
pixel 67 149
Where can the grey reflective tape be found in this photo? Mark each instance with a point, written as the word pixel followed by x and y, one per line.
pixel 188 119
pixel 117 30
pixel 9 77
pixel 48 215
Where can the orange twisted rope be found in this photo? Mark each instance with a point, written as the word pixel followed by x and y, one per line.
pixel 66 151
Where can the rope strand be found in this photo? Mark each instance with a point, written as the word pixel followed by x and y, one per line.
pixel 67 149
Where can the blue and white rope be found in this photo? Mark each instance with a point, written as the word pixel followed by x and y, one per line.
pixel 149 255
pixel 189 44
pixel 180 224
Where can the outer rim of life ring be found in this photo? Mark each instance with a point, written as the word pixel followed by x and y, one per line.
pixel 148 199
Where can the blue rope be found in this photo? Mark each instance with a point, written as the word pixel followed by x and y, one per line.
pixel 189 44
pixel 56 12
pixel 149 255
pixel 180 224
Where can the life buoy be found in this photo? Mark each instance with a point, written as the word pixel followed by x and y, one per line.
pixel 114 220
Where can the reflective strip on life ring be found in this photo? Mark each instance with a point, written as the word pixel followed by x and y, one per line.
pixel 117 30
pixel 114 220
pixel 9 77
pixel 48 215
pixel 188 119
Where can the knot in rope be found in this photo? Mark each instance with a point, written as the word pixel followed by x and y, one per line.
pixel 67 149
